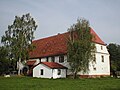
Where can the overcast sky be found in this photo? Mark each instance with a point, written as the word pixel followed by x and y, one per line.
pixel 56 16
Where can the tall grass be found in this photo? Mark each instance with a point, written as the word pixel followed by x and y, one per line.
pixel 28 83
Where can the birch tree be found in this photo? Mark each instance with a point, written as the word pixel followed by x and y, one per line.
pixel 18 38
pixel 80 47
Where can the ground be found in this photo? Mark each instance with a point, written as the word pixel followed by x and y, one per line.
pixel 29 83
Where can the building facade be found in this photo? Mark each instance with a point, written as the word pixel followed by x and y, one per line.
pixel 54 49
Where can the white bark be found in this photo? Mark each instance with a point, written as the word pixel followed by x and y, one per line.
pixel 19 67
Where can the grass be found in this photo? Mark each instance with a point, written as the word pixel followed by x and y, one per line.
pixel 29 83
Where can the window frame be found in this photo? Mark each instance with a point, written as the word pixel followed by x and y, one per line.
pixel 102 57
pixel 94 58
pixel 61 58
pixel 52 59
pixel 41 72
pixel 46 59
pixel 94 68
pixel 59 72
pixel 101 47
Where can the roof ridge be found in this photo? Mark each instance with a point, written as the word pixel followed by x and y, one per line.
pixel 50 36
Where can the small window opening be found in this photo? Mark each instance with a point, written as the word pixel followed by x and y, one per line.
pixel 102 58
pixel 41 71
pixel 59 71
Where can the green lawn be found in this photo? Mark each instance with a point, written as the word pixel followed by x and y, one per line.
pixel 29 83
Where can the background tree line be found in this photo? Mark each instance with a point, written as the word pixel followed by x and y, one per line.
pixel 114 51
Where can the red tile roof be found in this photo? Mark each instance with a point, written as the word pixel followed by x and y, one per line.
pixel 55 45
pixel 97 38
pixel 54 65
pixel 31 62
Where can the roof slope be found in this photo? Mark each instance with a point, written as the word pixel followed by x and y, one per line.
pixel 31 62
pixel 52 65
pixel 55 45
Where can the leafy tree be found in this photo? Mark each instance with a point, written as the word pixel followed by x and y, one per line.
pixel 114 51
pixel 18 38
pixel 80 47
pixel 4 61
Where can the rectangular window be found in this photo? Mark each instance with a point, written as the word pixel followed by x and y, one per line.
pixel 40 59
pixel 41 71
pixel 102 58
pixel 101 47
pixel 53 59
pixel 94 58
pixel 61 58
pixel 59 71
pixel 94 68
pixel 46 59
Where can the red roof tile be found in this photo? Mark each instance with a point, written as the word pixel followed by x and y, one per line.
pixel 97 38
pixel 55 45
pixel 54 65
pixel 31 62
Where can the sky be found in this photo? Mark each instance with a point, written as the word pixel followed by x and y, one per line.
pixel 56 16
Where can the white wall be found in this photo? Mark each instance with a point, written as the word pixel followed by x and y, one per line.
pixel 102 68
pixel 43 59
pixel 62 75
pixel 47 71
pixel 98 49
pixel 55 74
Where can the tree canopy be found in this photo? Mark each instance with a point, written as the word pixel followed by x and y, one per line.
pixel 18 38
pixel 114 50
pixel 6 65
pixel 80 46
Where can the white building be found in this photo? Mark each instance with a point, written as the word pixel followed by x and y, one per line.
pixel 49 70
pixel 54 49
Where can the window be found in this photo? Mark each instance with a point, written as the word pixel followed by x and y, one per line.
pixel 94 58
pixel 41 71
pixel 59 71
pixel 61 58
pixel 39 59
pixel 53 59
pixel 101 47
pixel 94 68
pixel 102 58
pixel 46 59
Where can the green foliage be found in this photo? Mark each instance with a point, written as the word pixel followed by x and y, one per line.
pixel 114 51
pixel 4 61
pixel 80 46
pixel 18 38
pixel 24 83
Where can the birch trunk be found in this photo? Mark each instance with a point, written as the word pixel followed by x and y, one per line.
pixel 19 62
pixel 75 75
